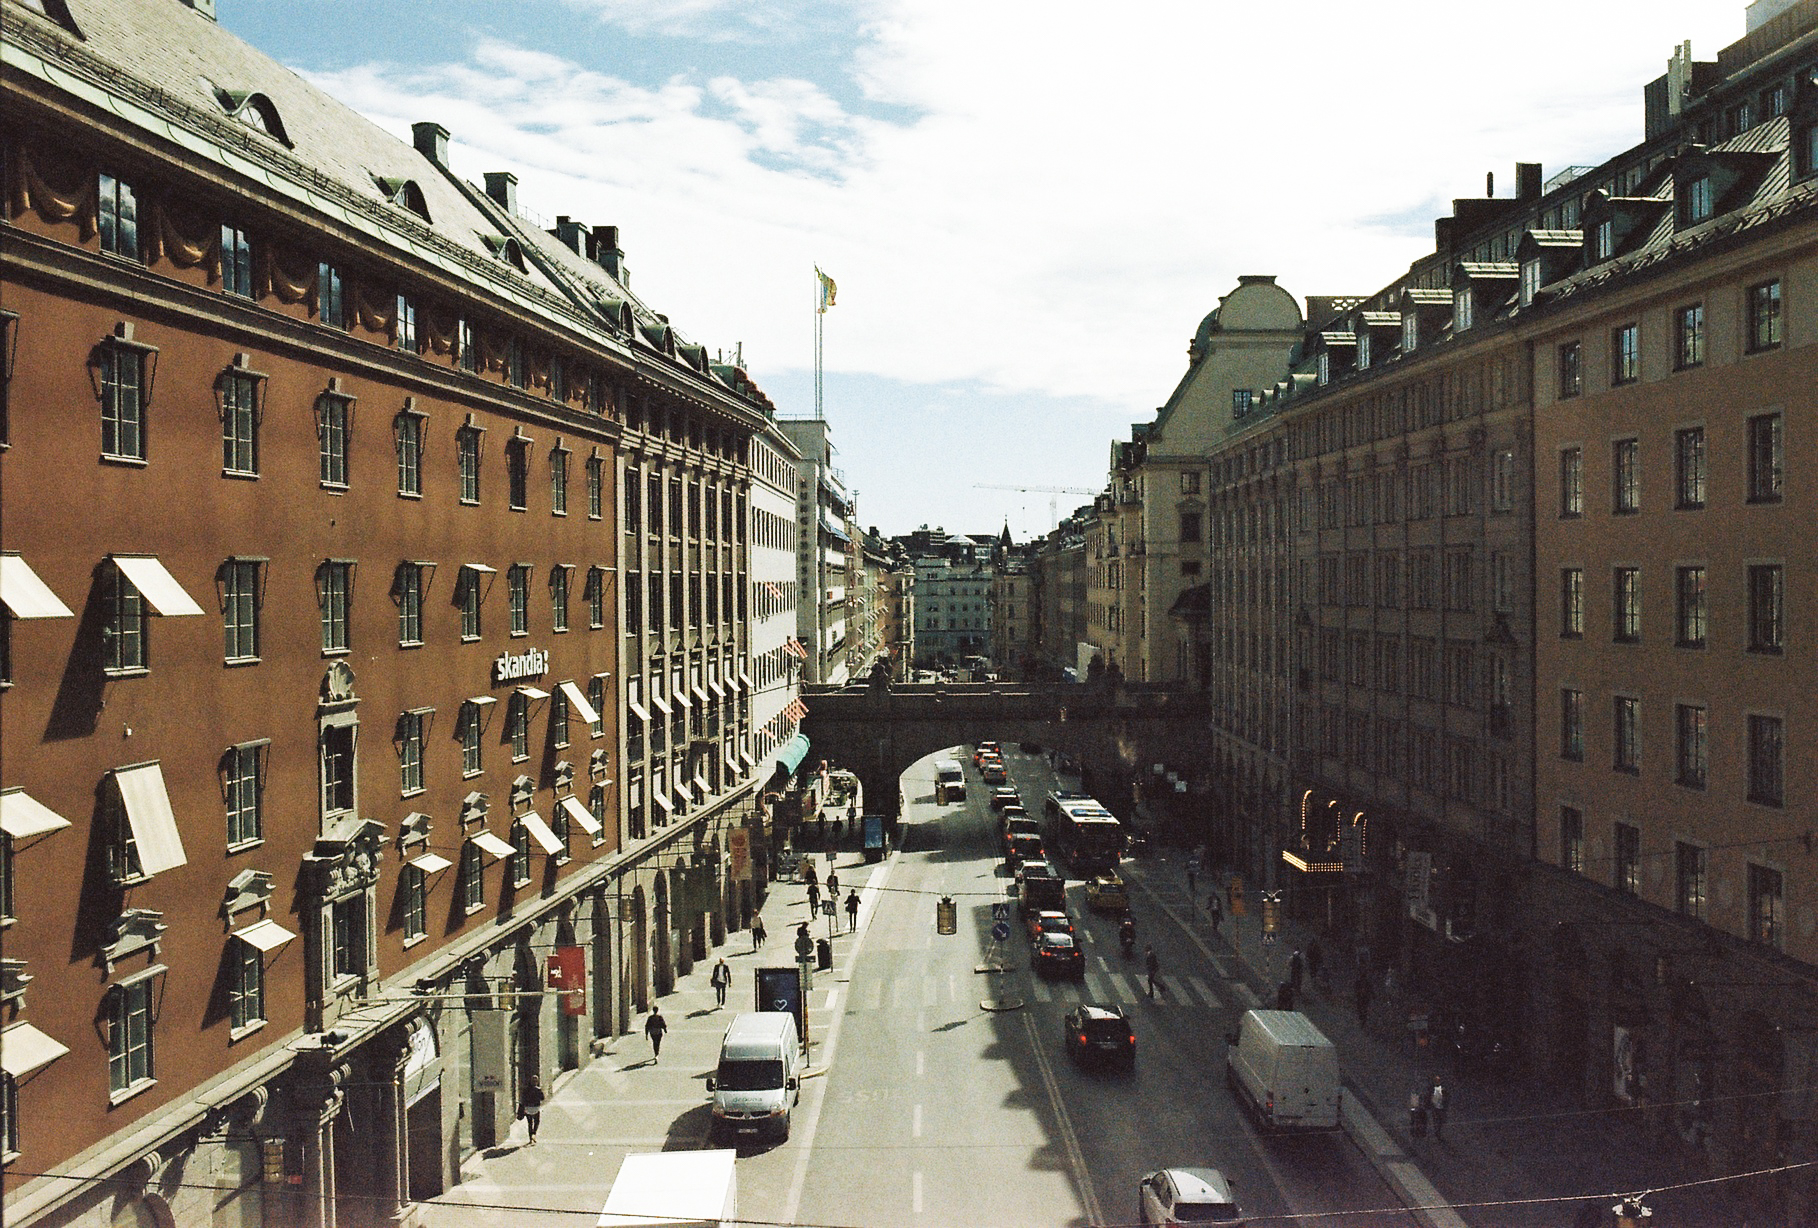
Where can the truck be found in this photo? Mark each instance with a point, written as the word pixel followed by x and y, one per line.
pixel 871 827
pixel 674 1189
pixel 1285 1070
pixel 949 782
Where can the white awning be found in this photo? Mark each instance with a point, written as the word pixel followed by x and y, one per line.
pixel 531 692
pixel 745 755
pixel 581 815
pixel 662 799
pixel 745 679
pixel 430 863
pixel 681 791
pixel 159 588
pixel 577 703
pixel 701 786
pixel 148 811
pixel 702 693
pixel 681 697
pixel 662 705
pixel 638 710
pixel 492 846
pixel 22 592
pixel 731 761
pixel 539 831
pixel 24 1048
pixel 480 701
pixel 266 935
pixel 482 568
pixel 22 815
pixel 713 684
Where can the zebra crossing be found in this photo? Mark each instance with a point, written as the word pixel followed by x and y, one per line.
pixel 1122 988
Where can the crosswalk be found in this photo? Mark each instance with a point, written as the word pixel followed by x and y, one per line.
pixel 1121 988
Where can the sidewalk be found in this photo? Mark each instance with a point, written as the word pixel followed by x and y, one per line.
pixel 623 1101
pixel 1513 1141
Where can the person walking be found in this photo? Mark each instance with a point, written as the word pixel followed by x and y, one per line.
pixel 757 932
pixel 1153 963
pixel 530 1108
pixel 852 902
pixel 1295 966
pixel 1361 992
pixel 814 898
pixel 833 884
pixel 809 874
pixel 1436 1108
pixel 1216 909
pixel 721 980
pixel 654 1028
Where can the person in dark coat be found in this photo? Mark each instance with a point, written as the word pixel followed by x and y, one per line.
pixel 530 1108
pixel 1216 909
pixel 721 980
pixel 852 907
pixel 757 932
pixel 1153 963
pixel 654 1028
pixel 1295 965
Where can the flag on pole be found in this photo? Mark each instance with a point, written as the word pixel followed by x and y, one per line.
pixel 828 289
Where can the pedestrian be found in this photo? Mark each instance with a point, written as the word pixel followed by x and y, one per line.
pixel 833 884
pixel 1192 881
pixel 852 812
pixel 804 943
pixel 1436 1107
pixel 1216 908
pixel 1153 963
pixel 1361 992
pixel 1295 965
pixel 851 911
pixel 530 1107
pixel 721 980
pixel 814 898
pixel 654 1027
pixel 809 875
pixel 1417 1114
pixel 1316 958
pixel 757 932
pixel 1284 996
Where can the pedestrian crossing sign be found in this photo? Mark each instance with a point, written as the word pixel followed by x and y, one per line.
pixel 1000 911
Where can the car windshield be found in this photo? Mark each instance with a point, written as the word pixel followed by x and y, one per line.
pixel 750 1076
pixel 1060 941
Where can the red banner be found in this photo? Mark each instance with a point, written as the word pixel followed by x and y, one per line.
pixel 568 973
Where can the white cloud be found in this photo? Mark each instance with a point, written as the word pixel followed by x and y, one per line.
pixel 1070 192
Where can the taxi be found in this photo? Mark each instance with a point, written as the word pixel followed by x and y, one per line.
pixel 1107 893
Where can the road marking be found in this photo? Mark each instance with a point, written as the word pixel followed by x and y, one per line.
pixel 915 1128
pixel 931 993
pixel 1203 990
pixel 920 1059
pixel 1042 991
pixel 952 988
pixel 1076 1159
pixel 915 1196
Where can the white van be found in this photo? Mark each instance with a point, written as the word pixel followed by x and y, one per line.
pixel 949 781
pixel 1285 1069
pixel 759 1077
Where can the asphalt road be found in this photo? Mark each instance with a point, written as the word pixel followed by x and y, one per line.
pixel 936 1110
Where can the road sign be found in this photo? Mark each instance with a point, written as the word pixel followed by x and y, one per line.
pixel 826 908
pixel 1000 911
pixel 1000 930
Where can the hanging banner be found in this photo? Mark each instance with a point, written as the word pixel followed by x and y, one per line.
pixel 568 973
pixel 738 843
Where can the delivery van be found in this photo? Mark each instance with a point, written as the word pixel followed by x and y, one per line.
pixel 1285 1070
pixel 759 1077
pixel 949 782
pixel 674 1189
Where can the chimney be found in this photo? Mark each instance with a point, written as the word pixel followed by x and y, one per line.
pixel 502 186
pixel 1527 181
pixel 431 140
pixel 606 251
pixel 572 234
pixel 1489 184
pixel 1442 234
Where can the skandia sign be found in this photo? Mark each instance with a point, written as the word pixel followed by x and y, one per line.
pixel 509 667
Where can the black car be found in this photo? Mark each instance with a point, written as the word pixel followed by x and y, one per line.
pixel 1058 955
pixel 1097 1032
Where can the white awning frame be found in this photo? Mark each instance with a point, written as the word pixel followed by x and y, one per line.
pixel 662 704
pixel 578 703
pixel 27 596
pixel 24 1049
pixel 163 595
pixel 492 846
pixel 23 816
pixel 542 833
pixel 638 710
pixel 148 812
pixel 430 863
pixel 265 935
pixel 579 813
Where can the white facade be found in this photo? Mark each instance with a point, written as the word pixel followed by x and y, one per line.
pixel 824 553
pixel 774 589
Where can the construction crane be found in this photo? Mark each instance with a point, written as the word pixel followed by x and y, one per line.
pixel 1053 492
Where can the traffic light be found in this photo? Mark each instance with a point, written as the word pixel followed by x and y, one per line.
pixel 946 916
pixel 1271 903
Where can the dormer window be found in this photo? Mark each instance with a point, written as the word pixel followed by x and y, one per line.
pixel 1696 200
pixel 1603 239
pixel 1530 280
pixel 1775 102
pixel 1461 309
pixel 1363 349
pixel 1410 332
pixel 1808 150
pixel 1325 368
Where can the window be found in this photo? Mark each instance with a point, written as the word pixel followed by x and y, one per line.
pixel 407 434
pixel 1603 239
pixel 243 788
pixel 517 374
pixel 1692 755
pixel 1627 734
pixel 473 878
pixel 410 753
pixel 1571 725
pixel 469 598
pixel 1571 481
pixel 467 460
pixel 337 755
pixel 1767 902
pixel 1625 476
pixel 1502 583
pixel 520 855
pixel 517 580
pixel 236 261
pixel 129 1036
pixel 1625 354
pixel 1627 868
pixel 404 327
pixel 240 609
pixel 1697 200
pixel 1764 316
pixel 9 1118
pixel 1767 761
pixel 558 719
pixel 1190 529
pixel 1530 280
pixel 1410 331
pixel 558 482
pixel 119 218
pixel 1626 605
pixel 1189 481
pixel 1502 480
pixel 239 422
pixel 334 580
pixel 517 472
pixel 596 699
pixel 1571 371
pixel 123 400
pixel 1688 468
pixel 1363 350
pixel 333 415
pixel 123 625
pixel 1571 602
pixel 596 482
pixel 247 993
pixel 1691 869
pixel 558 598
pixel 1571 839
pixel 472 761
pixel 467 348
pixel 331 296
pixel 1688 349
pixel 517 721
pixel 411 881
pixel 347 918
pixel 596 600
pixel 1765 460
pixel 1461 309
pixel 1689 607
pixel 1766 589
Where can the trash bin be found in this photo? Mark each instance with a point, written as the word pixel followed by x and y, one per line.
pixel 823 954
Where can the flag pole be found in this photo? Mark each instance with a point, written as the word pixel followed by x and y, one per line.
pixel 820 312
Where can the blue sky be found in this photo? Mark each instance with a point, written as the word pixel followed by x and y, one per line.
pixel 1028 208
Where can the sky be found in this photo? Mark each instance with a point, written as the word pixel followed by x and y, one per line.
pixel 1027 209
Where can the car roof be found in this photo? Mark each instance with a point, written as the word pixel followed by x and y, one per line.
pixel 1199 1185
pixel 1101 1010
pixel 1052 912
pixel 1056 938
pixel 1038 869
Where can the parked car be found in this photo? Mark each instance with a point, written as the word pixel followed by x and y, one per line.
pixel 1047 921
pixel 1107 893
pixel 1005 796
pixel 1097 1032
pixel 1059 955
pixel 1186 1196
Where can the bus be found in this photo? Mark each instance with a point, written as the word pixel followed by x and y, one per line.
pixel 1083 833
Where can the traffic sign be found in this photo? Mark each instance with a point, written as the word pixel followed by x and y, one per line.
pixel 1000 930
pixel 1000 911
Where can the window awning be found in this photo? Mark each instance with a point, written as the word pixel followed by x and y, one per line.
pixel 713 684
pixel 662 799
pixel 430 863
pixel 22 815
pixel 701 786
pixel 492 846
pixel 266 935
pixel 746 759
pixel 701 693
pixel 681 697
pixel 159 588
pixel 662 705
pixel 581 815
pixel 682 791
pixel 148 812
pixel 480 701
pixel 790 754
pixel 540 832
pixel 745 680
pixel 482 568
pixel 24 1049
pixel 532 692
pixel 22 592
pixel 577 703
pixel 638 710
pixel 731 761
